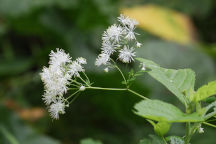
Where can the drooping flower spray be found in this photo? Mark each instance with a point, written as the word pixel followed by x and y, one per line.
pixel 57 78
pixel 64 74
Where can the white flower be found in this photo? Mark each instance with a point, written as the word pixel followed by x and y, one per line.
pixel 126 21
pixel 138 44
pixel 59 58
pixel 57 108
pixel 49 97
pixel 123 19
pixel 108 47
pixel 103 58
pixel 82 88
pixel 201 130
pixel 143 67
pixel 106 69
pixel 81 60
pixel 126 54
pixel 114 33
pixel 55 80
pixel 130 35
pixel 75 68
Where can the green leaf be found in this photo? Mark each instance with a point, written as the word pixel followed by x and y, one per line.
pixel 15 67
pixel 205 92
pixel 90 141
pixel 161 111
pixel 177 81
pixel 8 135
pixel 153 140
pixel 145 141
pixel 175 140
pixel 161 128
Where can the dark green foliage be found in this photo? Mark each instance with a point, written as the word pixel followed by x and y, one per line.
pixel 29 29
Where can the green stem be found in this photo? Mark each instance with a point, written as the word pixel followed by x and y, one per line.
pixel 74 98
pixel 84 81
pixel 119 89
pixel 76 82
pixel 72 95
pixel 137 94
pixel 112 89
pixel 73 88
pixel 209 124
pixel 74 85
pixel 86 76
pixel 187 136
pixel 120 72
pixel 164 140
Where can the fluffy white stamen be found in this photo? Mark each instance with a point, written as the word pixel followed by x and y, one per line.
pixel 114 33
pixel 103 58
pixel 81 60
pixel 138 44
pixel 126 54
pixel 58 58
pixel 75 68
pixel 57 108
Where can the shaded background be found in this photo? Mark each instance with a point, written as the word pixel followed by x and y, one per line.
pixel 174 33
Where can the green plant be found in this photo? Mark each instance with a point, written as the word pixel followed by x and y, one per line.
pixel 65 75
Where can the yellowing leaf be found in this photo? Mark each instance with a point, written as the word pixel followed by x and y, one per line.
pixel 165 23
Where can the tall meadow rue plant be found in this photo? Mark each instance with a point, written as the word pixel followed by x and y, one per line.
pixel 64 73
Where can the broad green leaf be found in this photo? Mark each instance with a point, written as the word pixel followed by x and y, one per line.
pixel 175 140
pixel 205 92
pixel 177 81
pixel 161 111
pixel 90 141
pixel 152 140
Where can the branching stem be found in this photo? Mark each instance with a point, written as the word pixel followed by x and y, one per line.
pixel 119 89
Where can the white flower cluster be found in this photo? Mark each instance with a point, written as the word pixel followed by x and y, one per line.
pixel 56 79
pixel 119 38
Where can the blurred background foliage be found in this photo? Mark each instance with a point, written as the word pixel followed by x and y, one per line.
pixel 174 33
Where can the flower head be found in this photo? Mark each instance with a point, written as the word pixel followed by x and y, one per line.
pixel 130 35
pixel 138 44
pixel 143 67
pixel 114 33
pixel 75 67
pixel 57 108
pixel 103 58
pixel 55 80
pixel 118 38
pixel 201 130
pixel 48 97
pixel 126 54
pixel 81 60
pixel 126 21
pixel 108 47
pixel 58 58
